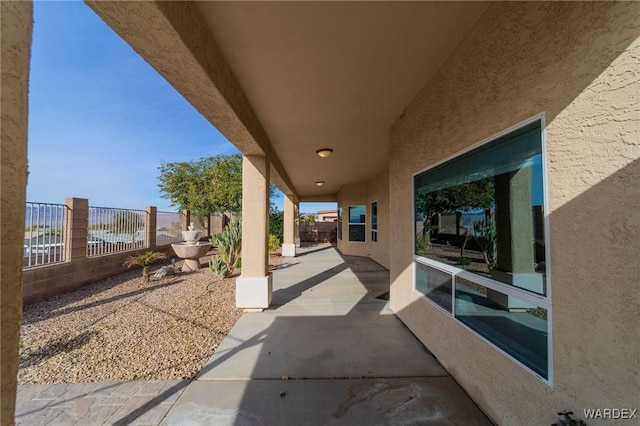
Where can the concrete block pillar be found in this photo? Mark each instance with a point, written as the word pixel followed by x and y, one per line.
pixel 514 221
pixel 150 227
pixel 296 223
pixel 77 224
pixel 254 286
pixel 288 244
pixel 15 37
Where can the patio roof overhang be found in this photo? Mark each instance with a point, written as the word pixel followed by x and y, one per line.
pixel 284 79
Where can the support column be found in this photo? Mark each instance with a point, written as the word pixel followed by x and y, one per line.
pixel 288 244
pixel 151 227
pixel 76 228
pixel 514 235
pixel 15 37
pixel 296 223
pixel 254 288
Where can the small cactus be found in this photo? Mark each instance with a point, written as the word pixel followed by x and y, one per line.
pixel 218 267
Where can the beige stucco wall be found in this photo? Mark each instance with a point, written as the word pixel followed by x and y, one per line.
pixel 364 193
pixel 15 36
pixel 579 64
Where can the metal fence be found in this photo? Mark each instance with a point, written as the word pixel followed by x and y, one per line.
pixel 55 233
pixel 113 230
pixel 168 228
pixel 44 234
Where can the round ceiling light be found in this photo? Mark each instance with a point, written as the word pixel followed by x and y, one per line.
pixel 324 152
pixel 320 182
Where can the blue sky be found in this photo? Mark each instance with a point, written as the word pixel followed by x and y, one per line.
pixel 101 120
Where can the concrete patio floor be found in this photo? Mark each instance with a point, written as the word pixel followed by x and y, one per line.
pixel 328 351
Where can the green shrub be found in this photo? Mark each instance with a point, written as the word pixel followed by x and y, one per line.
pixel 276 223
pixel 464 261
pixel 422 243
pixel 274 243
pixel 145 260
pixel 229 244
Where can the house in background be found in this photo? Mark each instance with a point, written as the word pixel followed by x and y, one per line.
pixel 327 215
pixel 44 242
pixel 520 119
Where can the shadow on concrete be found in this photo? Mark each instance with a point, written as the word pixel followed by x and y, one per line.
pixel 281 266
pixel 168 394
pixel 287 295
pixel 306 251
pixel 299 363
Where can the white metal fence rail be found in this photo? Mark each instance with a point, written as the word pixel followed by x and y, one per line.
pixel 44 234
pixel 113 230
pixel 168 228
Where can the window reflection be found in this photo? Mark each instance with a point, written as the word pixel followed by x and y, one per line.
pixel 434 284
pixel 357 220
pixel 522 333
pixel 484 212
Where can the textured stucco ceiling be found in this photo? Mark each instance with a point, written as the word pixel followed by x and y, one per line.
pixel 334 74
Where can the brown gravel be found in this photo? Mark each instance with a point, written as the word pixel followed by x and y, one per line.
pixel 122 329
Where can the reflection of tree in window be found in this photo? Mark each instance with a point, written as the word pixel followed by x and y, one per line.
pixel 474 198
pixel 481 214
pixel 482 211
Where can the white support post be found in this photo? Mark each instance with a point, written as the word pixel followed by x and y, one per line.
pixel 288 244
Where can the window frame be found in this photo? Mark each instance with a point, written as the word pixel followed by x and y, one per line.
pixel 542 301
pixel 363 224
pixel 374 225
pixel 339 230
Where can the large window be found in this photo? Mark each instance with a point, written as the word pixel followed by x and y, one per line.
pixel 374 222
pixel 357 221
pixel 480 243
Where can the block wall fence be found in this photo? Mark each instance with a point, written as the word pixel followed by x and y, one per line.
pixel 79 269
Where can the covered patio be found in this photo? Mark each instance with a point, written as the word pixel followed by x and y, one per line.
pixel 410 99
pixel 328 351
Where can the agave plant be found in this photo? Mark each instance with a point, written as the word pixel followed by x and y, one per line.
pixel 229 244
pixel 145 260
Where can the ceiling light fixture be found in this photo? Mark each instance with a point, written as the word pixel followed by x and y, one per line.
pixel 324 152
pixel 320 182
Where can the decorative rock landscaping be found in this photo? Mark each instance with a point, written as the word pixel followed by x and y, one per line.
pixel 122 329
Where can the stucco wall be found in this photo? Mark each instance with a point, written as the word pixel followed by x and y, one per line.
pixel 15 37
pixel 364 193
pixel 578 64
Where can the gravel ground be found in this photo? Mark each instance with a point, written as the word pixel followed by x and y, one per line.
pixel 122 329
